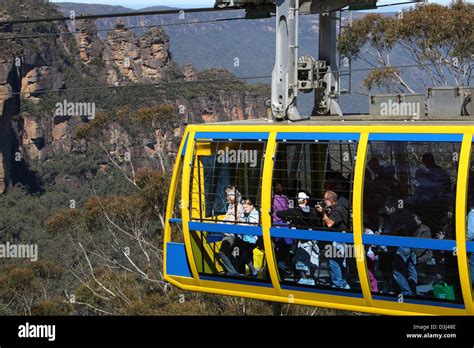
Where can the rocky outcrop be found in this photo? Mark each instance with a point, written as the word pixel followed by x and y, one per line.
pixel 190 73
pixel 89 43
pixel 33 137
pixel 223 107
pixel 137 59
pixel 35 81
pixel 155 55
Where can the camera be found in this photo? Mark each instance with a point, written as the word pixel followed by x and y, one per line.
pixel 322 204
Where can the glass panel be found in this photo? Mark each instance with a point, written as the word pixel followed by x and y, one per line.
pixel 413 273
pixel 312 190
pixel 230 256
pixel 312 185
pixel 411 177
pixel 176 227
pixel 228 172
pixel 226 190
pixel 317 264
pixel 470 218
pixel 409 192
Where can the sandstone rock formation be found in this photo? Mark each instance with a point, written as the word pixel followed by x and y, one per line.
pixel 88 41
pixel 123 58
pixel 138 59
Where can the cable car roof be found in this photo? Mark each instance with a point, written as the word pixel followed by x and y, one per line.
pixel 355 120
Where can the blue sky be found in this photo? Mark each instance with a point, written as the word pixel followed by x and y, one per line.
pixel 137 4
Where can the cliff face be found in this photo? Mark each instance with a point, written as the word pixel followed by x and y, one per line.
pixel 31 129
pixel 8 108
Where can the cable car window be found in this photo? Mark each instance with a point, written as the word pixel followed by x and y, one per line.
pixel 411 177
pixel 224 175
pixel 312 190
pixel 409 192
pixel 470 217
pixel 225 196
pixel 312 185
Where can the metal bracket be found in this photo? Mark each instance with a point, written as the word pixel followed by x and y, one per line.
pixel 284 76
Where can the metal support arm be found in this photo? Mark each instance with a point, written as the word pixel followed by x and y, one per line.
pixel 284 77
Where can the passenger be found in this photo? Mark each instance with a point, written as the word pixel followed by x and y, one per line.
pixel 335 216
pixel 423 193
pixel 372 199
pixel 302 216
pixel 438 179
pixel 371 264
pixel 448 261
pixel 283 246
pixel 235 209
pixel 424 257
pixel 248 242
pixel 397 221
pixel 280 203
pixel 436 190
pixel 229 249
pixel 404 271
pixel 374 168
pixel 338 184
pixel 397 263
pixel 386 183
pixel 307 252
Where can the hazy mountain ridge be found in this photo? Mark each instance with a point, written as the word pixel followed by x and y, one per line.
pixel 245 47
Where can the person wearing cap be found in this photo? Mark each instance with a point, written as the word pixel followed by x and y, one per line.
pixel 302 216
pixel 307 252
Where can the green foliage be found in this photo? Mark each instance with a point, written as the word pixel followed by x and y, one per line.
pixel 382 78
pixel 438 38
pixel 53 307
pixel 31 289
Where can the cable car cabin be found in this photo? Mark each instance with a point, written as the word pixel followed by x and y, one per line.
pixel 375 218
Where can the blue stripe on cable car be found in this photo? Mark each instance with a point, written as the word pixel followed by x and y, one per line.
pixel 312 235
pixel 420 302
pixel 470 247
pixel 415 137
pixel 409 242
pixel 185 144
pixel 236 281
pixel 175 221
pixel 232 135
pixel 176 260
pixel 318 136
pixel 322 291
pixel 225 228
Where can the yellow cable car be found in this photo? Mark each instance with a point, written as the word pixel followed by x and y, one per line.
pixel 359 216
